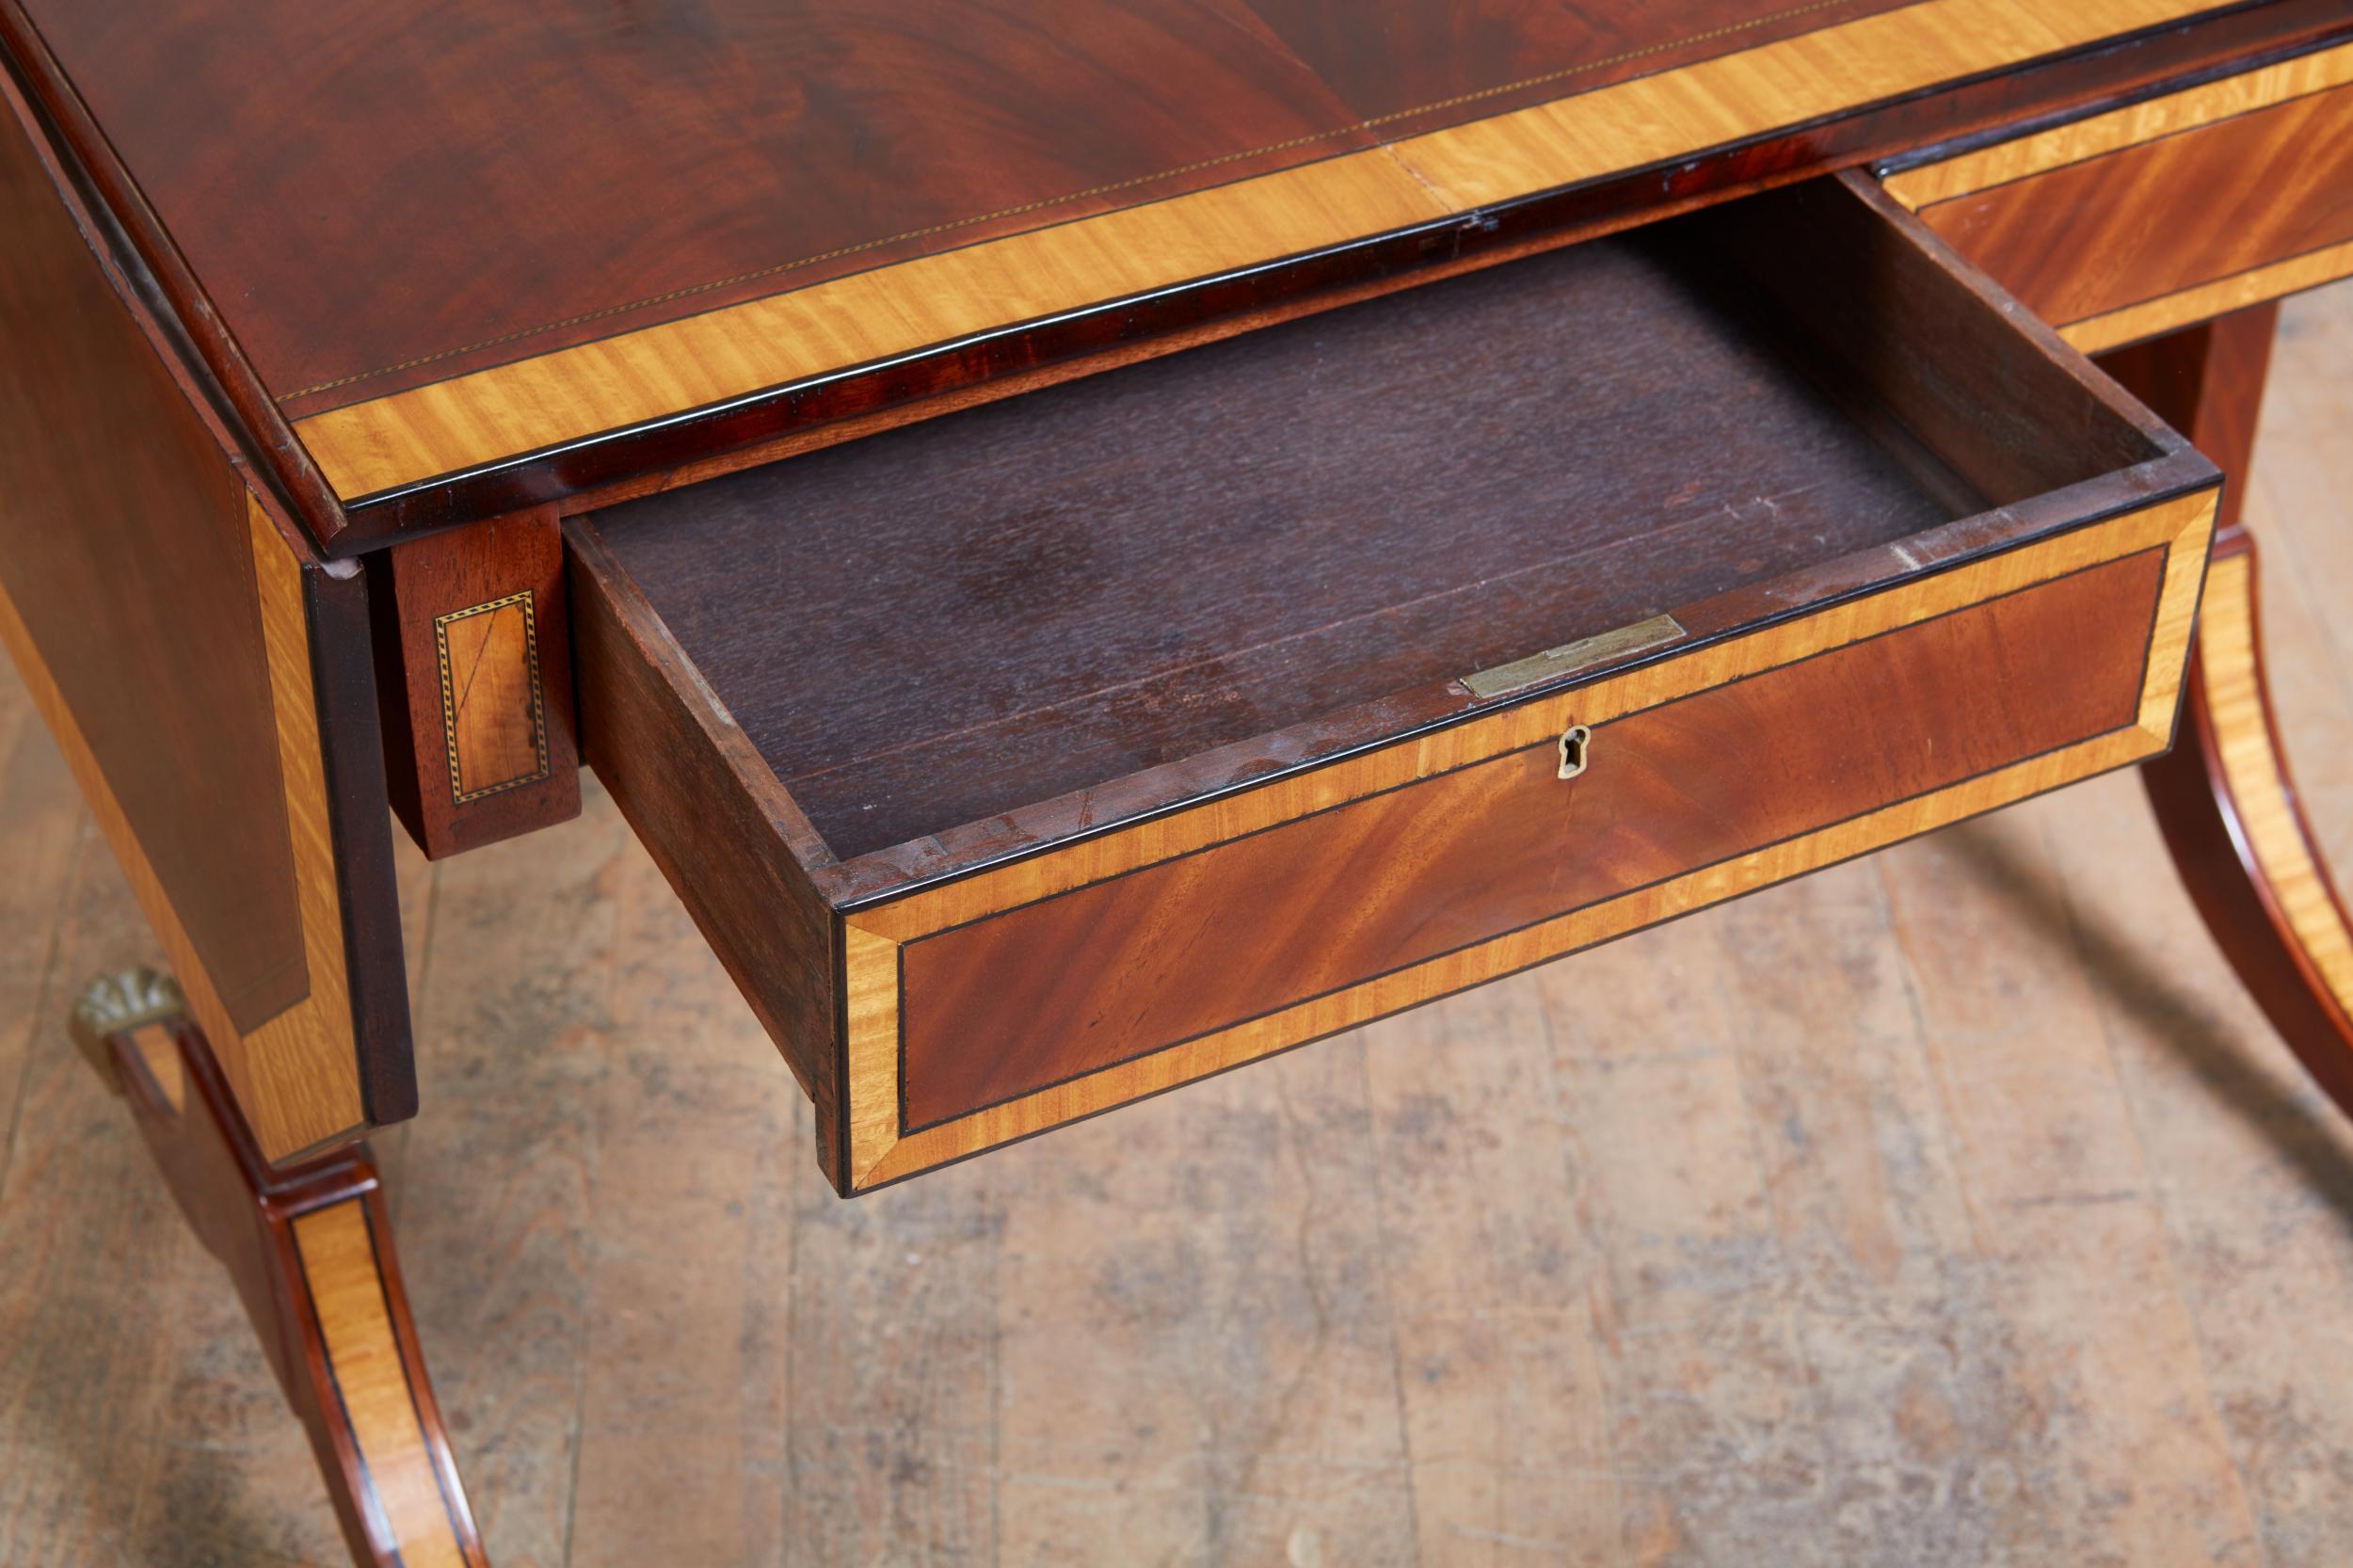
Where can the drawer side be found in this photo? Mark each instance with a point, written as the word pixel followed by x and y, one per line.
pixel 713 818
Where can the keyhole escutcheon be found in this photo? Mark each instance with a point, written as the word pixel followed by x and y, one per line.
pixel 1575 744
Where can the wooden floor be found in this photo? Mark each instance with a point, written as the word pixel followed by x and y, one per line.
pixel 1953 1207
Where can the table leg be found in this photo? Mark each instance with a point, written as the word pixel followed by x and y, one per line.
pixel 2223 796
pixel 310 1251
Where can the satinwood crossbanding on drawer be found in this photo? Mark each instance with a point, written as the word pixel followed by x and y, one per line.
pixel 1047 754
pixel 992 1011
pixel 2187 205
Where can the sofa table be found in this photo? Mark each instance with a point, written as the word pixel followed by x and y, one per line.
pixel 1095 544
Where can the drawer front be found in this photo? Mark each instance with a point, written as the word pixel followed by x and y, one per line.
pixel 1012 1000
pixel 2133 223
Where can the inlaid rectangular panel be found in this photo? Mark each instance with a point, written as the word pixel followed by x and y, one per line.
pixel 2146 219
pixel 493 711
pixel 479 730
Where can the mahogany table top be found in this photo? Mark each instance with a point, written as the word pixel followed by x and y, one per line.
pixel 470 240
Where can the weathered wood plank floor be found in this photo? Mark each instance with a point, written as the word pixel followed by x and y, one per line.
pixel 1953 1207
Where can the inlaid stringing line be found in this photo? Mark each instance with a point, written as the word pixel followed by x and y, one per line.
pixel 523 601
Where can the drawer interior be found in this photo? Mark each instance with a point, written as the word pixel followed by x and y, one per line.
pixel 1128 591
pixel 1048 754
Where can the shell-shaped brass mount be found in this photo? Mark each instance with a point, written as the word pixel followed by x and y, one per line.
pixel 117 1003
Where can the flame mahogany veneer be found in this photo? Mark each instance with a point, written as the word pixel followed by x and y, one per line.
pixel 997 1008
pixel 2159 214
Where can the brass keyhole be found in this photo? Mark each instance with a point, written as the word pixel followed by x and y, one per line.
pixel 1575 742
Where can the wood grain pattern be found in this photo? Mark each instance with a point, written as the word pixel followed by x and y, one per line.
pixel 2145 219
pixel 173 305
pixel 1078 669
pixel 468 420
pixel 298 1073
pixel 2063 1175
pixel 873 990
pixel 1533 723
pixel 729 837
pixel 479 735
pixel 1097 600
pixel 338 1248
pixel 1941 179
pixel 697 603
pixel 1998 1223
pixel 404 437
pixel 1657 119
pixel 493 704
pixel 1180 1064
pixel 1022 1000
pixel 302 1087
pixel 126 552
pixel 2232 818
pixel 308 1250
pixel 1408 66
pixel 2169 214
pixel 2208 383
pixel 2248 748
pixel 759 146
pixel 207 676
pixel 2238 292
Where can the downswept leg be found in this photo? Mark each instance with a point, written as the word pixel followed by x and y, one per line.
pixel 2223 796
pixel 310 1251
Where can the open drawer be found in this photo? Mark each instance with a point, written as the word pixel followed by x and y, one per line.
pixel 1048 754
